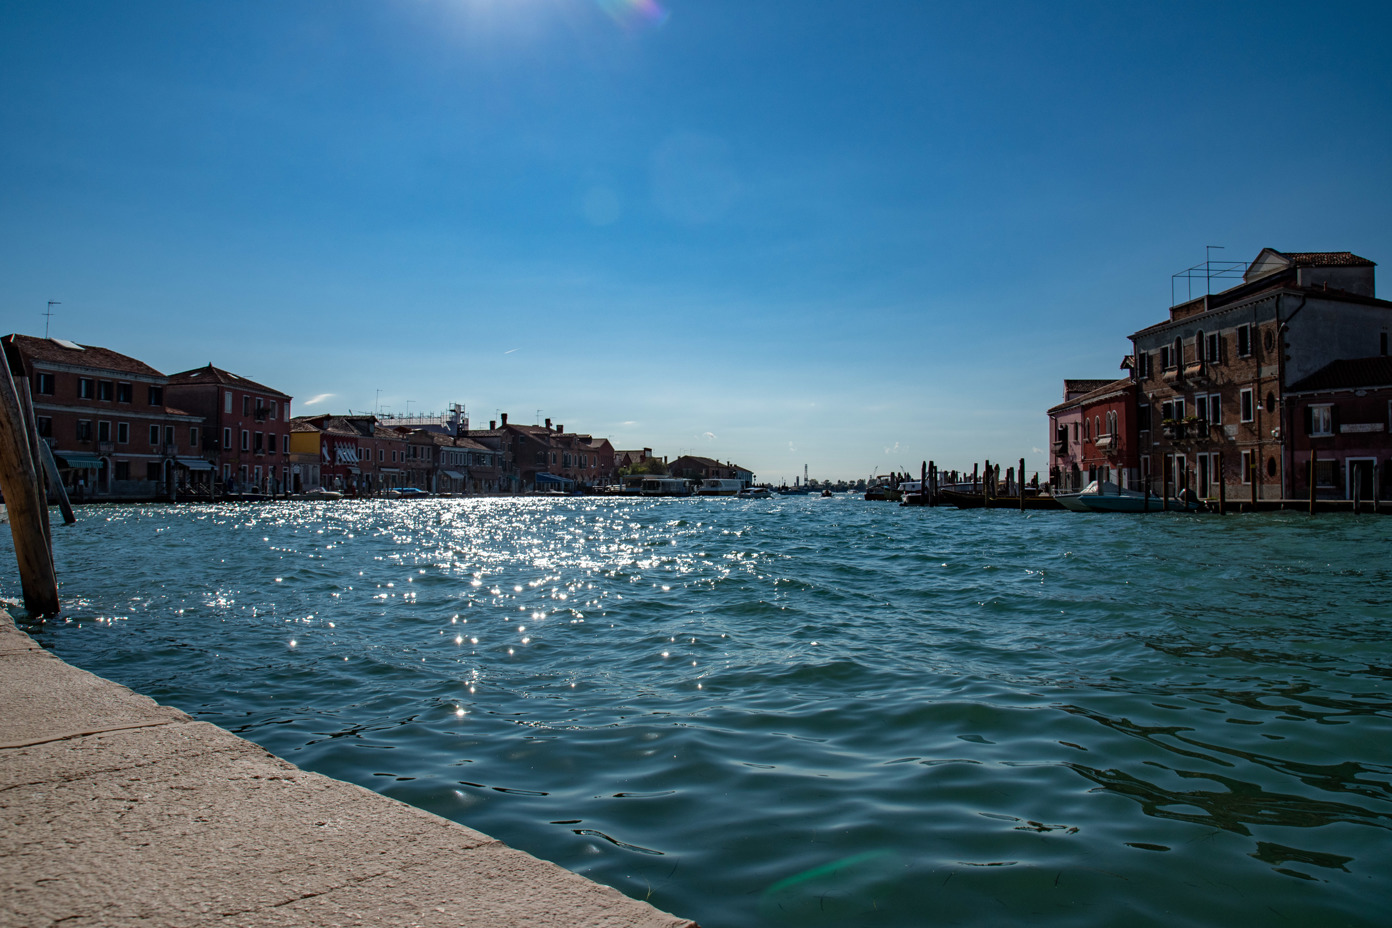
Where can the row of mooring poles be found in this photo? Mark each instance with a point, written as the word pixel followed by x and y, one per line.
pixel 22 482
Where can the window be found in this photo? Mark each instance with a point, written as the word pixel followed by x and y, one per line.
pixel 103 431
pixel 84 429
pixel 246 440
pixel 104 390
pixel 227 439
pixel 1199 346
pixel 1201 406
pixel 1143 417
pixel 86 388
pixel 1214 415
pixel 246 405
pixel 1248 464
pixel 45 426
pixel 152 470
pixel 1324 473
pixel 286 443
pixel 154 434
pixel 193 436
pixel 1320 420
pixel 270 443
pixel 1244 341
pixel 169 435
pixel 123 433
pixel 227 405
pixel 1165 362
pixel 256 445
pixel 1248 413
pixel 1097 426
pixel 122 470
pixel 1177 353
pixel 273 408
pixel 156 395
pixel 1213 348
pixel 123 393
pixel 43 384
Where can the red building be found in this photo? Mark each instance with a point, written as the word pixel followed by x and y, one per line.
pixel 1109 448
pixel 104 415
pixel 247 437
pixel 1343 414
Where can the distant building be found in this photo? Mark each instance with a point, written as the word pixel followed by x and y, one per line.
pixel 693 467
pixel 1066 435
pixel 247 436
pixel 106 417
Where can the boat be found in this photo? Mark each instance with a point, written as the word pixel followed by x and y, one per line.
pixel 664 486
pixel 719 486
pixel 321 493
pixel 882 488
pixel 755 493
pixel 968 499
pixel 1105 496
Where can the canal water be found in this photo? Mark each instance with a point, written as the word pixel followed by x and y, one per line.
pixel 801 711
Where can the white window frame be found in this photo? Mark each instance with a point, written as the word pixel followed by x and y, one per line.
pixel 1321 420
pixel 1247 405
pixel 1248 462
pixel 227 402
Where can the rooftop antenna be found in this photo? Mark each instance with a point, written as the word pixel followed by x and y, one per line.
pixel 48 314
pixel 377 405
pixel 538 418
pixel 1208 264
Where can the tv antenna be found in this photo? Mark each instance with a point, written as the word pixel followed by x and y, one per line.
pixel 48 314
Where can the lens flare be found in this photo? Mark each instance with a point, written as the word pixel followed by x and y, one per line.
pixel 635 15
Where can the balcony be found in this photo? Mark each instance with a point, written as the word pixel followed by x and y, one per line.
pixel 1058 447
pixel 1106 443
pixel 106 447
pixel 1172 375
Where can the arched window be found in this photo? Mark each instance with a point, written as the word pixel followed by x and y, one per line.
pixel 1178 352
pixel 1199 346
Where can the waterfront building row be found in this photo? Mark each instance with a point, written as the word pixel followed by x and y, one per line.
pixel 1242 389
pixel 118 428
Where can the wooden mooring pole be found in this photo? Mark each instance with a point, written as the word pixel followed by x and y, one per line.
pixel 1222 488
pixel 28 512
pixel 1312 482
pixel 1020 476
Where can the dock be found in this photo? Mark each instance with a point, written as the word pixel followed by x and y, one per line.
pixel 115 810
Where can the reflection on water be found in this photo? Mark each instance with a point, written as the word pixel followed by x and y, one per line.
pixel 802 711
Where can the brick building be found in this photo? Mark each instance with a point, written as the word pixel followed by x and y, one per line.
pixel 1212 379
pixel 1343 416
pixel 105 417
pixel 247 434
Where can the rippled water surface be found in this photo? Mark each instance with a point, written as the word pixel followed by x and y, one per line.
pixel 801 711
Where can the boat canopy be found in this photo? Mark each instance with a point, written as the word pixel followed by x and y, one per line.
pixel 551 480
pixel 194 463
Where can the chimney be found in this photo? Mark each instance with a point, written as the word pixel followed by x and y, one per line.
pixel 492 424
pixel 548 425
pixel 504 420
pixel 559 427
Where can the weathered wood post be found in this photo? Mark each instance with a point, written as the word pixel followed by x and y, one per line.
pixel 31 434
pixel 1312 481
pixel 1252 478
pixel 932 484
pixel 974 477
pixel 1222 488
pixel 1021 474
pixel 55 480
pixel 1164 483
pixel 23 498
pixel 986 484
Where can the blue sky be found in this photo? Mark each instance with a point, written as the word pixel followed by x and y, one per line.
pixel 847 235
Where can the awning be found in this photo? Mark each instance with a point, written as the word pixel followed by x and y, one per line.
pixel 73 459
pixel 552 480
pixel 388 470
pixel 453 474
pixel 194 463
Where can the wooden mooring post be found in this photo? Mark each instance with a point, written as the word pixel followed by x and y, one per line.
pixel 28 511
pixel 1312 482
pixel 1222 488
pixel 1020 476
pixel 932 484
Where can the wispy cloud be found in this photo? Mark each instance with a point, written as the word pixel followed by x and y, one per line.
pixel 893 450
pixel 511 350
pixel 1036 450
pixel 792 447
pixel 316 400
pixel 708 436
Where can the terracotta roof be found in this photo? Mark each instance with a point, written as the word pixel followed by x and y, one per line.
pixel 1326 259
pixel 219 376
pixel 1348 374
pixel 91 356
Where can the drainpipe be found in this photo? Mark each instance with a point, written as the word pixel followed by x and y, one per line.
pixel 1287 437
